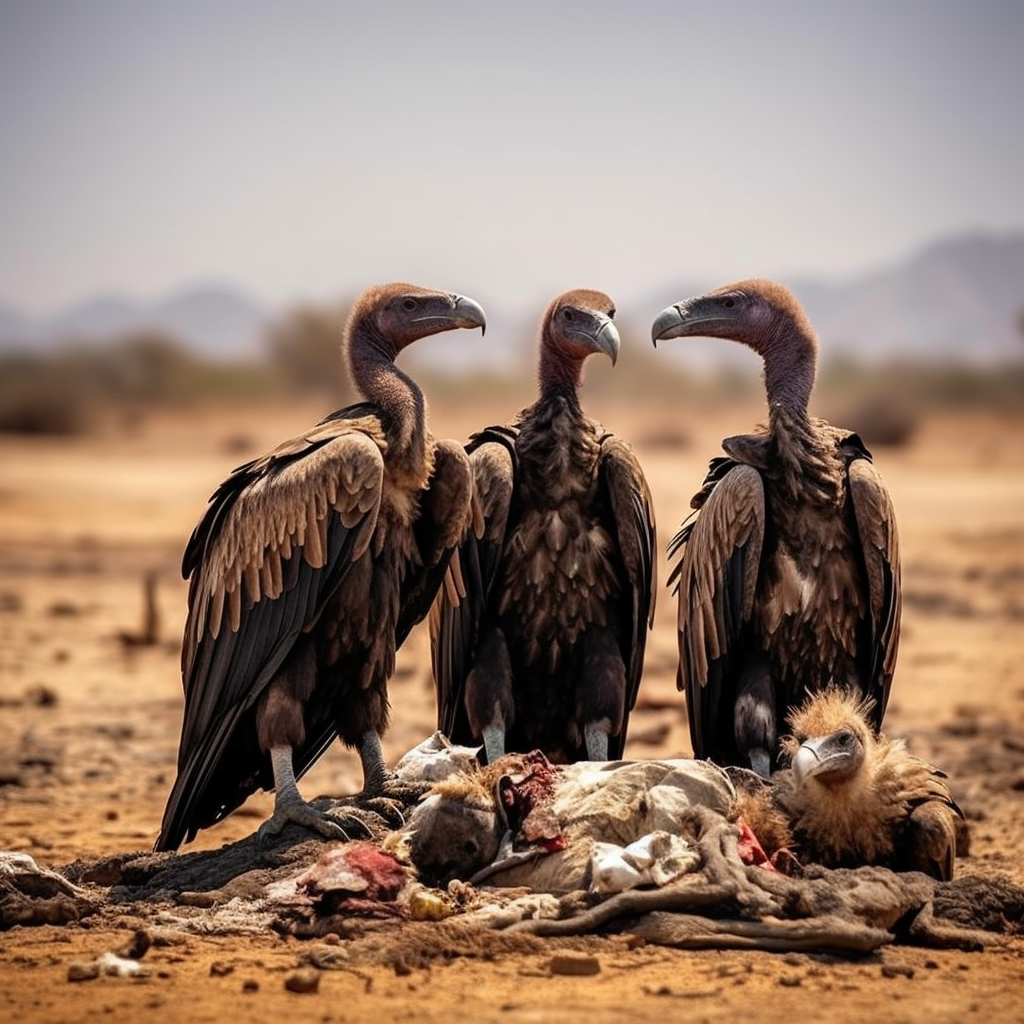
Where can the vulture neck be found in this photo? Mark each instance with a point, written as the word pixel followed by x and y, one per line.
pixel 790 363
pixel 401 403
pixel 559 376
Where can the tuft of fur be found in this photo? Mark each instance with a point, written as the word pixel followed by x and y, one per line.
pixel 826 712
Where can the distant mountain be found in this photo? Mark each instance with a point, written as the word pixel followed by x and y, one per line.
pixel 98 319
pixel 214 321
pixel 12 326
pixel 217 321
pixel 959 298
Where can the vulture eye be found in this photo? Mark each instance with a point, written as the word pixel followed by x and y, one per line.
pixel 567 314
pixel 845 738
pixel 727 302
pixel 409 304
pixel 611 314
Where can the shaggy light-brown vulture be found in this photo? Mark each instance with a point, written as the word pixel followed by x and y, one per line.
pixel 538 641
pixel 855 798
pixel 789 578
pixel 306 573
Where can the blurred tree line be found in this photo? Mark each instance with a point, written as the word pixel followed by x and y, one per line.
pixel 66 391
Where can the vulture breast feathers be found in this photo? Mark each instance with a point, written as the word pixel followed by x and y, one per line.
pixel 539 633
pixel 322 553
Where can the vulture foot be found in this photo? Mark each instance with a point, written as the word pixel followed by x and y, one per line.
pixel 368 811
pixel 391 789
pixel 295 809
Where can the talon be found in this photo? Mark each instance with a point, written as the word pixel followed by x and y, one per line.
pixel 301 813
pixel 386 808
pixel 396 790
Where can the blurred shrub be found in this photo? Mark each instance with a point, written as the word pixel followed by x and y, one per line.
pixel 898 391
pixel 305 351
pixel 38 398
pixel 63 392
pixel 880 422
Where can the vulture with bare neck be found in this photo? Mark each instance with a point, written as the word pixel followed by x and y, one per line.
pixel 789 578
pixel 539 633
pixel 306 573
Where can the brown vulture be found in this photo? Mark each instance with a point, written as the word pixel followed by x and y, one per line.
pixel 539 634
pixel 853 797
pixel 789 577
pixel 306 573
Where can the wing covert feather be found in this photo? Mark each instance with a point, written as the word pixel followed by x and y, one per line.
pixel 633 513
pixel 717 579
pixel 446 511
pixel 461 603
pixel 880 546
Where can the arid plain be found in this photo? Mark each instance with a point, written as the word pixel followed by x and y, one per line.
pixel 90 726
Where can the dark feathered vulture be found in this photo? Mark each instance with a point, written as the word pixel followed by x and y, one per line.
pixel 539 634
pixel 789 578
pixel 306 573
pixel 855 798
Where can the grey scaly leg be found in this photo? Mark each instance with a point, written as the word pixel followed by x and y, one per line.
pixel 494 742
pixel 596 736
pixel 375 769
pixel 760 762
pixel 289 805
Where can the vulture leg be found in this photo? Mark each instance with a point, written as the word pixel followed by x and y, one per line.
pixel 596 736
pixel 289 805
pixel 489 702
pixel 381 789
pixel 601 692
pixel 754 717
pixel 494 742
pixel 280 728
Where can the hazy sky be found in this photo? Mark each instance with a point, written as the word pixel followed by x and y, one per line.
pixel 304 149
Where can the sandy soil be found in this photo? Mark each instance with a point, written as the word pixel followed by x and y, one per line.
pixel 90 730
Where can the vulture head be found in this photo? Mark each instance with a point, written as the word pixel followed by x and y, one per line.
pixel 577 324
pixel 755 312
pixel 392 316
pixel 763 315
pixel 831 742
pixel 855 798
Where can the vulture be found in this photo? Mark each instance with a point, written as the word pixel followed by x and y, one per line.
pixel 853 797
pixel 538 636
pixel 307 571
pixel 789 577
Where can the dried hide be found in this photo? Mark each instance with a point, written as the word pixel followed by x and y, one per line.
pixel 546 826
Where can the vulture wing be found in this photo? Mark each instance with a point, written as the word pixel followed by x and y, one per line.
pixel 464 598
pixel 716 577
pixel 271 550
pixel 629 499
pixel 444 509
pixel 878 642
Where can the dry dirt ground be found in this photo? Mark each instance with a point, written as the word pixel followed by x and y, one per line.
pixel 90 729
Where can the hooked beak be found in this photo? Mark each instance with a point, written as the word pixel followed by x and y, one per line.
pixel 670 323
pixel 825 756
pixel 465 313
pixel 469 314
pixel 686 319
pixel 601 336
